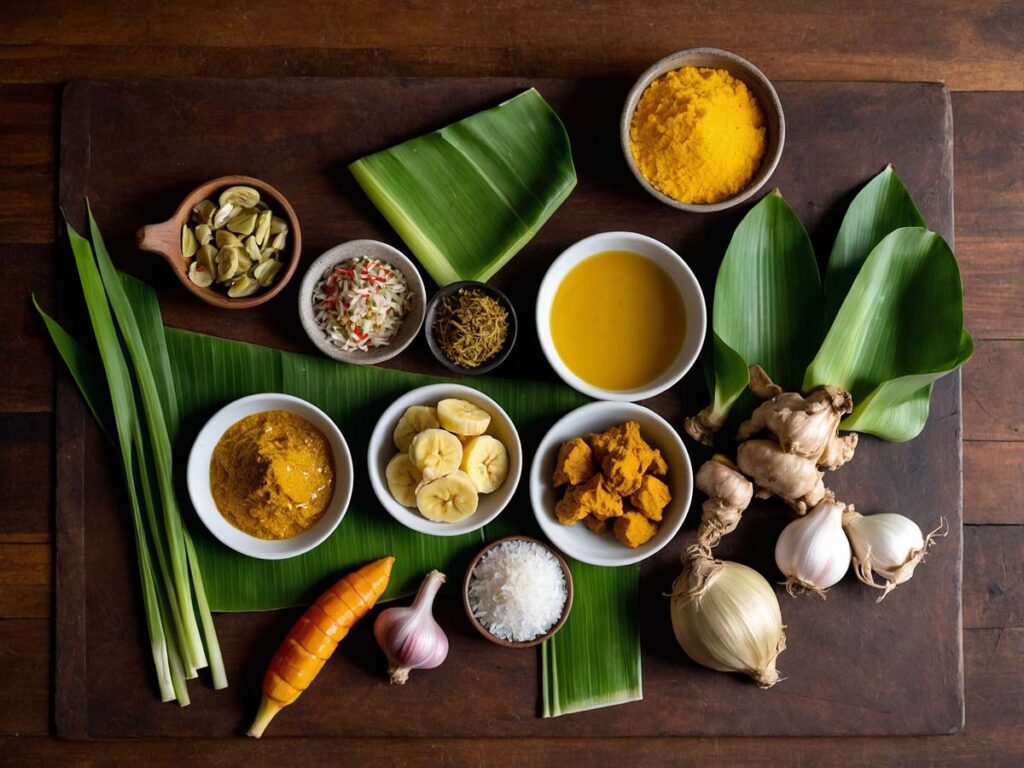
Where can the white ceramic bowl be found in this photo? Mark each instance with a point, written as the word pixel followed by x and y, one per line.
pixel 382 449
pixel 355 249
pixel 580 542
pixel 198 477
pixel 674 267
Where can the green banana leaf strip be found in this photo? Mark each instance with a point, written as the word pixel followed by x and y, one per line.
pixel 768 307
pixel 883 205
pixel 594 660
pixel 468 197
pixel 899 329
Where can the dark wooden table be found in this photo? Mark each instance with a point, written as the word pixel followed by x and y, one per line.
pixel 976 48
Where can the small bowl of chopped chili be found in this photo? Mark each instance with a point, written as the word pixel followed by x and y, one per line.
pixel 362 302
pixel 470 327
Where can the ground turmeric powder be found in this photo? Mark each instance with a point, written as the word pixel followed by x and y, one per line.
pixel 698 135
pixel 272 475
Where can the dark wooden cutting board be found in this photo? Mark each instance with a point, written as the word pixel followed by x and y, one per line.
pixel 852 667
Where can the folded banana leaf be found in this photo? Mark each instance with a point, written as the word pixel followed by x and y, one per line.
pixel 466 198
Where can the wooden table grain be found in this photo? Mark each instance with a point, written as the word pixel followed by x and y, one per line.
pixel 976 48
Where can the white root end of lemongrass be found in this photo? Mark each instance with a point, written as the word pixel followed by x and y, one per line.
pixel 866 575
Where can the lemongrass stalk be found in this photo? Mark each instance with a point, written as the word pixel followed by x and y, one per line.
pixel 192 648
pixel 151 601
pixel 178 672
pixel 217 672
pixel 125 419
pixel 176 623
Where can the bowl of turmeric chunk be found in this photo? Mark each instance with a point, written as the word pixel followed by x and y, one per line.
pixel 703 130
pixel 611 483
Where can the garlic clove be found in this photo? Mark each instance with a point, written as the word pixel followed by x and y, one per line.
pixel 410 637
pixel 888 545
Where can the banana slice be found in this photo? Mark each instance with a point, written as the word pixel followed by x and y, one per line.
pixel 448 499
pixel 462 418
pixel 415 419
pixel 485 460
pixel 403 479
pixel 435 453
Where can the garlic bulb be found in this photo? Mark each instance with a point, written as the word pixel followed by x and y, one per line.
pixel 888 545
pixel 812 551
pixel 726 617
pixel 410 637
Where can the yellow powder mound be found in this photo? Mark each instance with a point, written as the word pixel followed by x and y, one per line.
pixel 698 135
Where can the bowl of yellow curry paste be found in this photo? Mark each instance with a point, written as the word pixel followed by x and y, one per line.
pixel 703 130
pixel 270 476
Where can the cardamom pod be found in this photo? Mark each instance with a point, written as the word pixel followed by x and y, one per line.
pixel 202 212
pixel 240 197
pixel 242 224
pixel 188 242
pixel 199 275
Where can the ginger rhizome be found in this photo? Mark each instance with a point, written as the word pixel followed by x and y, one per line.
pixel 729 494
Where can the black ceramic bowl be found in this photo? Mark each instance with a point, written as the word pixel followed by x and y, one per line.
pixel 431 317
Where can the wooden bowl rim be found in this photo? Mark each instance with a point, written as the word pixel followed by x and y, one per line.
pixel 180 216
pixel 521 643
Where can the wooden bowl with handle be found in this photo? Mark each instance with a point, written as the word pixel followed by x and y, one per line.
pixel 165 239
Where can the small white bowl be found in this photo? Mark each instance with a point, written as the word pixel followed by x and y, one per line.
pixel 354 249
pixel 674 267
pixel 580 542
pixel 382 449
pixel 198 477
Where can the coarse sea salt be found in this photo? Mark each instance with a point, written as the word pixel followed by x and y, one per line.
pixel 517 591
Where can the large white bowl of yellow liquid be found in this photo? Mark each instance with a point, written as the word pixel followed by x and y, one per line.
pixel 620 316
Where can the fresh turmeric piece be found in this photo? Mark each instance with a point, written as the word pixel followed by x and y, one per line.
pixel 698 135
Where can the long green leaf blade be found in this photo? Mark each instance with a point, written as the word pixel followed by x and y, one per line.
pixel 882 206
pixel 594 659
pixel 468 197
pixel 899 329
pixel 192 651
pixel 125 420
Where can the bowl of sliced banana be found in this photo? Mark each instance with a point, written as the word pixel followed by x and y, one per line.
pixel 444 459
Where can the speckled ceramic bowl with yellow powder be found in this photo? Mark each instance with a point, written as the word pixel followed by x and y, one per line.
pixel 753 155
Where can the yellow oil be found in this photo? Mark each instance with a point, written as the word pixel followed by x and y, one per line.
pixel 617 320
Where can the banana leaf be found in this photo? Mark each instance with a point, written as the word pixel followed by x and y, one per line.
pixel 204 372
pixel 899 329
pixel 594 660
pixel 884 205
pixel 466 198
pixel 768 308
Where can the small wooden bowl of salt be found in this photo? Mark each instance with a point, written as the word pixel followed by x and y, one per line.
pixel 538 571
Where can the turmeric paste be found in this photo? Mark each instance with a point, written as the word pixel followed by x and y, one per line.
pixel 272 475
pixel 698 135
